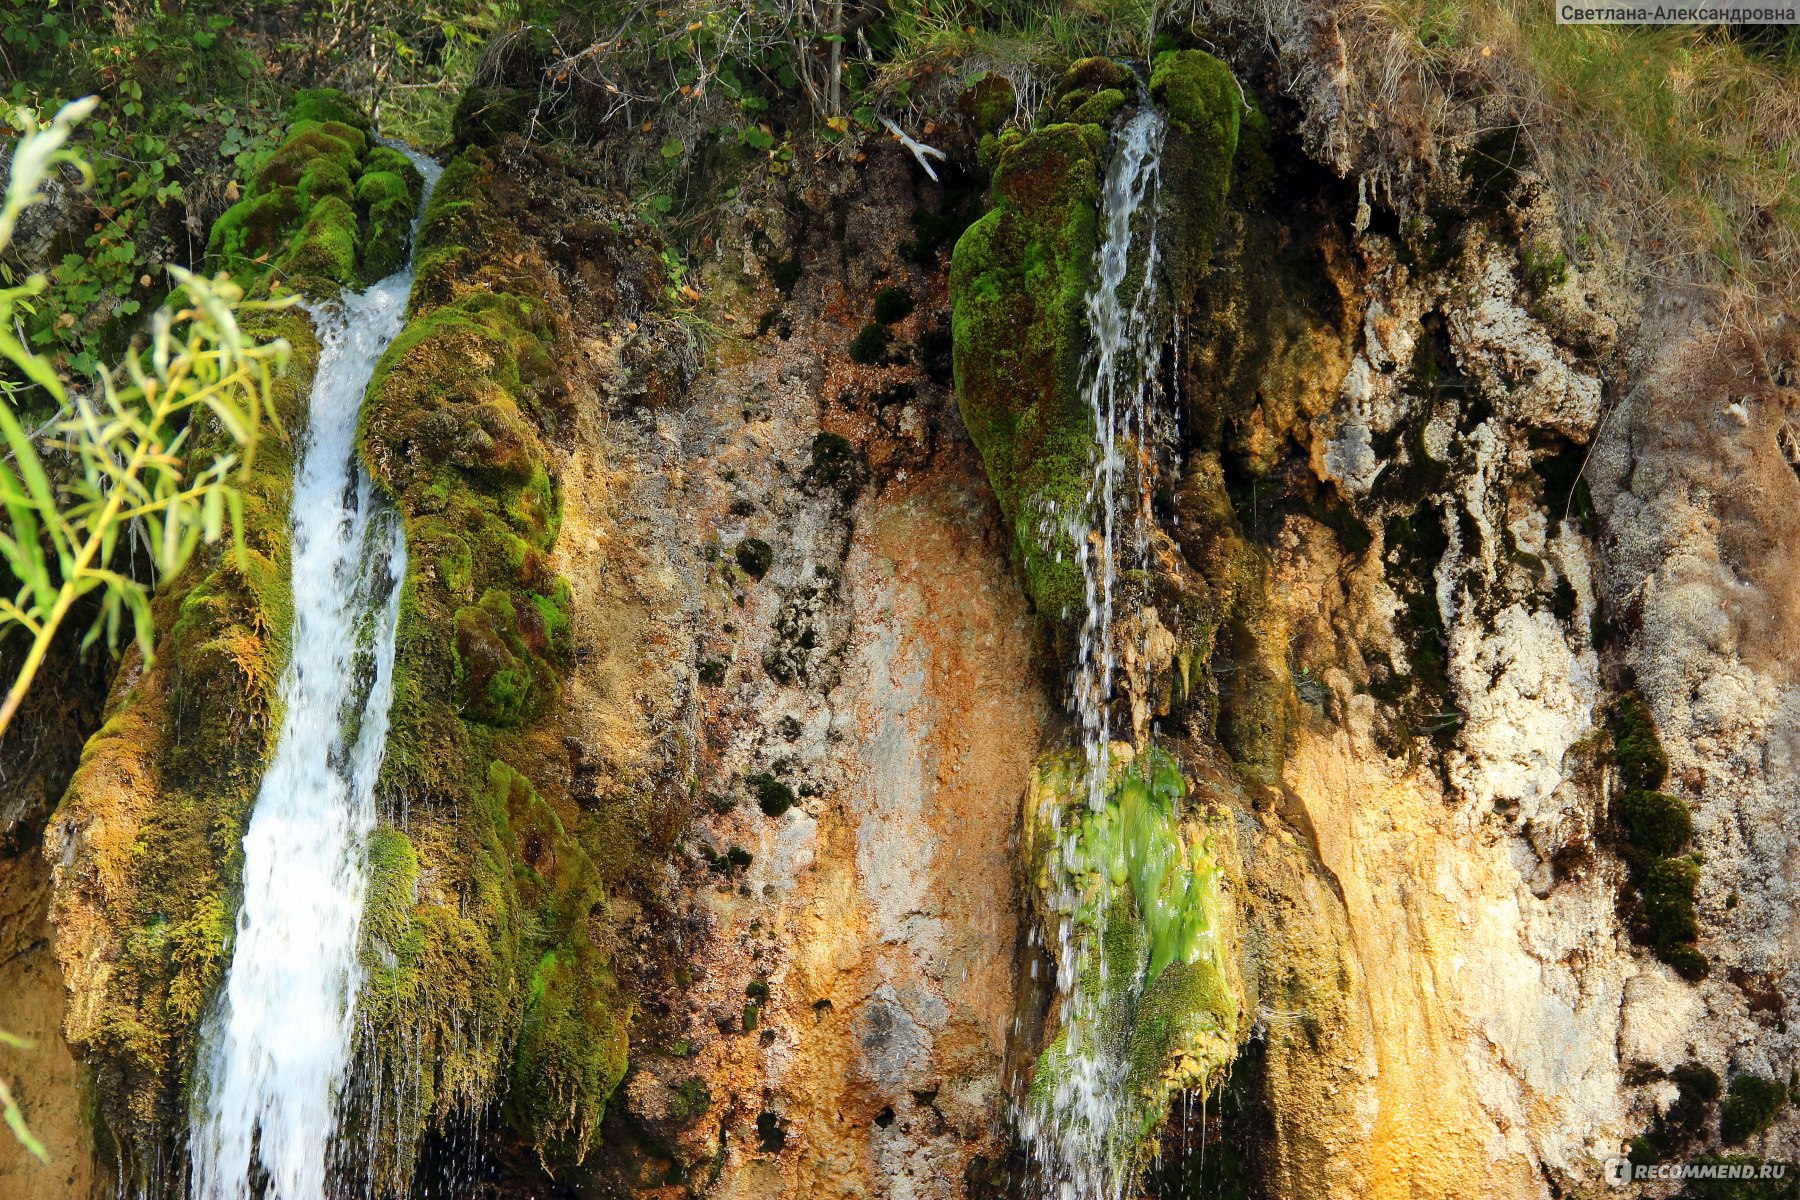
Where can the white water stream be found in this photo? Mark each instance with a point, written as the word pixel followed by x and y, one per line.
pixel 1072 1144
pixel 276 1047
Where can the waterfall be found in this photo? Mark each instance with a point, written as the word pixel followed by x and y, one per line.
pixel 276 1046
pixel 1075 1143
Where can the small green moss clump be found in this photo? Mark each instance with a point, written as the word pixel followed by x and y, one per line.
pixel 772 795
pixel 988 103
pixel 1751 1106
pixel 1669 886
pixel 1636 748
pixel 1697 1091
pixel 1656 822
pixel 869 347
pixel 1656 827
pixel 1744 1177
pixel 755 556
pixel 892 304
pixel 1100 107
pixel 326 104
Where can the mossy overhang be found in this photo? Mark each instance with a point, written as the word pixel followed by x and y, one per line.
pixel 1020 277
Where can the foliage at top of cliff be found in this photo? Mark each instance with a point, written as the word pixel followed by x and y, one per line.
pixel 1669 150
pixel 192 105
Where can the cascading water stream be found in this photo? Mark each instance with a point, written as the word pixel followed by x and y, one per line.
pixel 277 1046
pixel 1074 1141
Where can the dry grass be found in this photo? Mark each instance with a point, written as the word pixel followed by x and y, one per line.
pixel 1681 142
pixel 1678 148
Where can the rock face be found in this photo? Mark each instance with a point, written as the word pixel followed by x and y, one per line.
pixel 865 719
pixel 735 648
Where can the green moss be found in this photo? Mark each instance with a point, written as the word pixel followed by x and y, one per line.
pixel 1204 108
pixel 329 209
pixel 1669 887
pixel 988 103
pixel 1657 823
pixel 869 346
pixel 508 933
pixel 1745 1178
pixel 1100 107
pixel 1687 961
pixel 326 104
pixel 252 229
pixel 1134 889
pixel 1751 1106
pixel 171 778
pixel 1656 827
pixel 1019 278
pixel 324 250
pixel 493 668
pixel 386 203
pixel 1697 1091
pixel 772 795
pixel 892 304
pixel 1636 748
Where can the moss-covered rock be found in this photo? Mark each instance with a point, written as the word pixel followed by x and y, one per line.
pixel 988 103
pixel 500 931
pixel 326 104
pixel 1204 108
pixel 1018 279
pixel 1133 890
pixel 329 209
pixel 149 833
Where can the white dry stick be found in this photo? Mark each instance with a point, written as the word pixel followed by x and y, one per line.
pixel 919 150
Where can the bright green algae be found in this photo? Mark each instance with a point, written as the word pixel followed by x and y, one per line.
pixel 1134 890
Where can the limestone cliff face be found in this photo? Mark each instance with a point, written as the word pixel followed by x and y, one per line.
pixel 1469 623
pixel 865 711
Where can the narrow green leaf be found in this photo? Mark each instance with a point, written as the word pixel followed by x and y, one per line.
pixel 15 1121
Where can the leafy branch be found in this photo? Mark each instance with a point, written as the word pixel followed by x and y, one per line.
pixel 126 464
